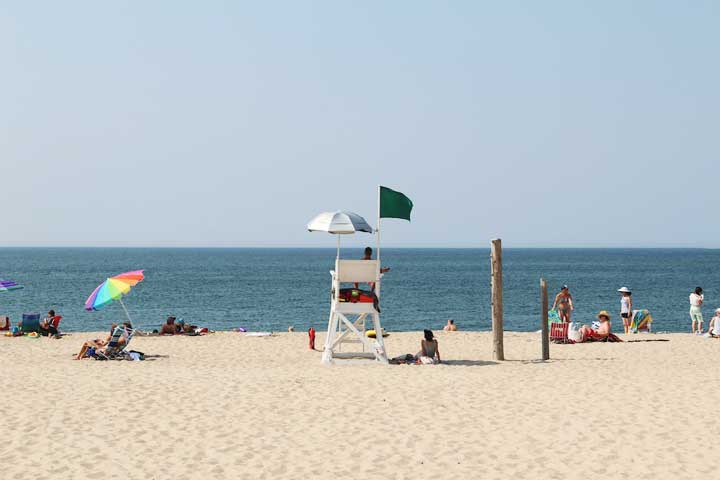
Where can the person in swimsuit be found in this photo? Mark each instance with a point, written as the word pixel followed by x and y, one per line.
pixel 429 351
pixel 96 343
pixel 564 304
pixel 168 327
pixel 601 333
pixel 626 307
pixel 696 300
pixel 450 326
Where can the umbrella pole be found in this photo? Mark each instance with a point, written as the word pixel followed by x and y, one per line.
pixel 126 310
pixel 338 247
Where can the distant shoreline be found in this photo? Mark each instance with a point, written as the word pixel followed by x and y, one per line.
pixel 333 249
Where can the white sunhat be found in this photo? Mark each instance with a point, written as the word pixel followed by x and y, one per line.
pixel 624 290
pixel 717 311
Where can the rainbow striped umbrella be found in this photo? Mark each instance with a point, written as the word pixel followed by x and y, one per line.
pixel 113 289
pixel 8 285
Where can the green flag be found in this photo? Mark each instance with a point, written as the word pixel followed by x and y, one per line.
pixel 394 204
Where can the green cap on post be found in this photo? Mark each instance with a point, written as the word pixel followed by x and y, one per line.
pixel 394 204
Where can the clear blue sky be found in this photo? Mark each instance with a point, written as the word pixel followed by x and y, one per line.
pixel 233 123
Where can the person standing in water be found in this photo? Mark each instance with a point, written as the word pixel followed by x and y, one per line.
pixel 626 307
pixel 696 318
pixel 564 304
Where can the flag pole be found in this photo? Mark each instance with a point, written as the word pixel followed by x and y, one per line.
pixel 377 233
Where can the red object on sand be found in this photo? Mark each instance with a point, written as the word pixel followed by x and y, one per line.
pixel 311 334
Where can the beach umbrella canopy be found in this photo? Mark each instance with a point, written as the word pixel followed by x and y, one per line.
pixel 113 289
pixel 8 285
pixel 340 223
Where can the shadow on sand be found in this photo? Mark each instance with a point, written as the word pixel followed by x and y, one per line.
pixel 468 363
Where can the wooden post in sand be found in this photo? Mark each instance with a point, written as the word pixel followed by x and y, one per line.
pixel 544 320
pixel 497 298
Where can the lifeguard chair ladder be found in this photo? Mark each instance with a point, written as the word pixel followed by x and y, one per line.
pixel 346 325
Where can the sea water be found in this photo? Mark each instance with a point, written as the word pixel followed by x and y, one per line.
pixel 271 289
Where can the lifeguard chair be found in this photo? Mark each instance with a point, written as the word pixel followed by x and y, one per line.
pixel 348 316
pixel 347 322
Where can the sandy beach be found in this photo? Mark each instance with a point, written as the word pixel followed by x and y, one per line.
pixel 229 406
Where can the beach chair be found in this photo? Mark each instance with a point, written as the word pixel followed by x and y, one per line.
pixel 31 322
pixel 559 332
pixel 641 321
pixel 115 350
pixel 346 325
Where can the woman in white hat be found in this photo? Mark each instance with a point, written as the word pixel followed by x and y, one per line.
pixel 626 307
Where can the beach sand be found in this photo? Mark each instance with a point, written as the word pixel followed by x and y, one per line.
pixel 229 406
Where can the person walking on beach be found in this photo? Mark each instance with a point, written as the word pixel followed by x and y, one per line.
pixel 696 318
pixel 564 304
pixel 626 307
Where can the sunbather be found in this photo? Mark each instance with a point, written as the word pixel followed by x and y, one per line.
pixel 450 326
pixel 169 327
pixel 602 332
pixel 429 351
pixel 47 328
pixel 714 327
pixel 95 343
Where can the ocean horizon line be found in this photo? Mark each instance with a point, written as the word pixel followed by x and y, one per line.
pixel 333 248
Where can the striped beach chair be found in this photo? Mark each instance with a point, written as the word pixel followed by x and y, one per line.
pixel 559 332
pixel 115 349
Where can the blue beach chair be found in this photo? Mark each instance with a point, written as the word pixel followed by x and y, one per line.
pixel 31 322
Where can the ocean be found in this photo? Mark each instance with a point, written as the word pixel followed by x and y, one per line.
pixel 271 289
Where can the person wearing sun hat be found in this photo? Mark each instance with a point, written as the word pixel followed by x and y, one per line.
pixel 602 332
pixel 626 307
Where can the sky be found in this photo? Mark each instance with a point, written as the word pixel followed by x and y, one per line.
pixel 183 123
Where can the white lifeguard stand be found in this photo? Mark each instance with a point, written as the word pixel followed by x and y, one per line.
pixel 346 325
pixel 348 319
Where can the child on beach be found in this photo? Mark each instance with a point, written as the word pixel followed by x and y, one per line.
pixel 696 300
pixel 626 307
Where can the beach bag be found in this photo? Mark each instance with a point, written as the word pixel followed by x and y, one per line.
pixel 574 333
pixel 135 355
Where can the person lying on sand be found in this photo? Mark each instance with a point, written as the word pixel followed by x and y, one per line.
pixel 95 343
pixel 429 352
pixel 601 333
